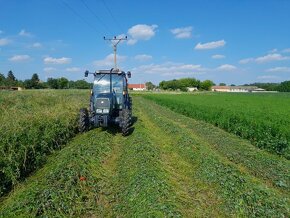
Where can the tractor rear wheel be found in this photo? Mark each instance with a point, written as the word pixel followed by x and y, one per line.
pixel 125 121
pixel 84 123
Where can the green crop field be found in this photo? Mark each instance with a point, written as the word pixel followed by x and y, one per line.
pixel 178 161
pixel 263 119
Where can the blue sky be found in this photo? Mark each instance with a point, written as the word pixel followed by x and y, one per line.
pixel 229 41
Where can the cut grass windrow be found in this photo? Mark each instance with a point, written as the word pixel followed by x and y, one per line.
pixel 33 125
pixel 263 119
pixel 242 193
pixel 142 184
pixel 98 174
pixel 170 166
pixel 68 186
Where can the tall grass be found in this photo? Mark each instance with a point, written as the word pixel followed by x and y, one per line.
pixel 32 125
pixel 264 119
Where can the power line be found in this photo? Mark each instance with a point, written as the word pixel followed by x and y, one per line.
pixel 113 17
pixel 115 41
pixel 96 16
pixel 78 15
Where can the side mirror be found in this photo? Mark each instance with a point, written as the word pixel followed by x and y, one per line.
pixel 129 74
pixel 86 73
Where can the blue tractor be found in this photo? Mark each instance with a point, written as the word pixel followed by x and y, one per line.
pixel 110 102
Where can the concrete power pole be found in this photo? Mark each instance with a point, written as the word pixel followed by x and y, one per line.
pixel 115 41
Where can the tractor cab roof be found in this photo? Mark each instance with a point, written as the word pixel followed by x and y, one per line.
pixel 113 71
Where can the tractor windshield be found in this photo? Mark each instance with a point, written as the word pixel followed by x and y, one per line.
pixel 102 83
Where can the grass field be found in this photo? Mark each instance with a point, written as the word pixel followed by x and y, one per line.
pixel 170 166
pixel 33 124
pixel 263 119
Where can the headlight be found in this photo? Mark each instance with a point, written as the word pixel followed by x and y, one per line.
pixel 105 111
pixel 99 111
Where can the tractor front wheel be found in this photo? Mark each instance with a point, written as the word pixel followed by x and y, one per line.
pixel 84 123
pixel 125 121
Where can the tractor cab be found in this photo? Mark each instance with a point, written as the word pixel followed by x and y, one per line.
pixel 102 88
pixel 109 102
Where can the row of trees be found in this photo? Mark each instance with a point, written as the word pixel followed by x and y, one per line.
pixel 176 84
pixel 184 83
pixel 281 87
pixel 36 83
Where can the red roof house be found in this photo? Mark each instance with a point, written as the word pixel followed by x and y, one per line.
pixel 137 87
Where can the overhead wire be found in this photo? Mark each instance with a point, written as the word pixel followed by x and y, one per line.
pixel 78 15
pixel 96 16
pixel 113 17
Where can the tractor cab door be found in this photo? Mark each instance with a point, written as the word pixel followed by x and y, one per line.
pixel 117 84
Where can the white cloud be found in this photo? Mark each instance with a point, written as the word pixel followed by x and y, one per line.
pixel 141 32
pixel 170 69
pixel 279 69
pixel 49 69
pixel 226 67
pixel 265 59
pixel 271 57
pixel 247 60
pixel 63 60
pixel 217 56
pixel 73 69
pixel 24 33
pixel 210 45
pixel 37 45
pixel 286 50
pixel 4 41
pixel 20 58
pixel 182 32
pixel 143 57
pixel 108 61
pixel 132 41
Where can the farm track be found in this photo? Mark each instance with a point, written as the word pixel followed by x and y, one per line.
pixel 170 166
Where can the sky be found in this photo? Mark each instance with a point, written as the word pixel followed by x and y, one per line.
pixel 229 41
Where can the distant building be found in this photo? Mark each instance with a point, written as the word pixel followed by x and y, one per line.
pixel 220 88
pixel 192 89
pixel 237 89
pixel 137 87
pixel 11 88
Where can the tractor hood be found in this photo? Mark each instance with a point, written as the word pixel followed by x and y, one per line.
pixel 104 100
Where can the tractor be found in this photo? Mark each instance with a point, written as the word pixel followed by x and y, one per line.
pixel 110 103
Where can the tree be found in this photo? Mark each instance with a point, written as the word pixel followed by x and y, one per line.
pixel 35 81
pixel 52 83
pixel 79 84
pixel 284 86
pixel 207 84
pixel 2 80
pixel 28 84
pixel 222 84
pixel 11 79
pixel 150 85
pixel 62 83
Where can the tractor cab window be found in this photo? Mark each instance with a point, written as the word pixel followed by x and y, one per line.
pixel 102 83
pixel 117 82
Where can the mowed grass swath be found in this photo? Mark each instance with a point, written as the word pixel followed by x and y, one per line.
pixel 264 119
pixel 170 166
pixel 33 124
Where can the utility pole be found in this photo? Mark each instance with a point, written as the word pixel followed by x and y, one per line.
pixel 115 41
